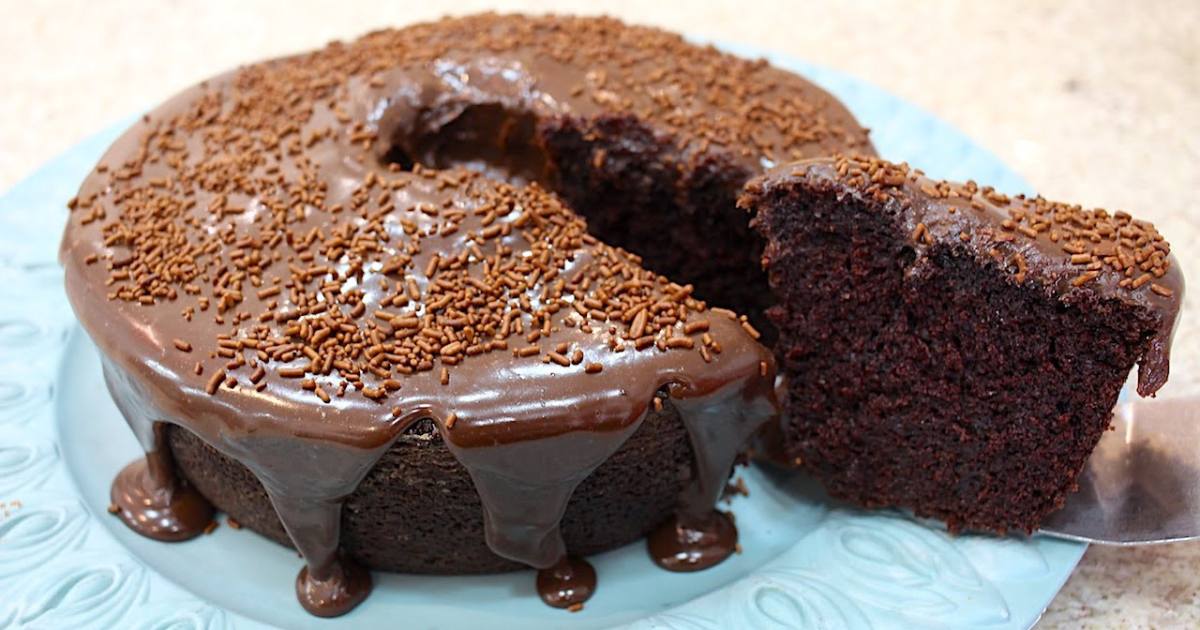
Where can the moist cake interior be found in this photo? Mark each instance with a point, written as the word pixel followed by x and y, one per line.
pixel 981 364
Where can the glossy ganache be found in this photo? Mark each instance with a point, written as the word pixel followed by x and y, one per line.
pixel 530 398
pixel 301 261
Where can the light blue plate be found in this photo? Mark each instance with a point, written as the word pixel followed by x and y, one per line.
pixel 64 563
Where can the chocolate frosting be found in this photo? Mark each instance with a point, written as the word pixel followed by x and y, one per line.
pixel 527 431
pixel 243 212
pixel 1036 247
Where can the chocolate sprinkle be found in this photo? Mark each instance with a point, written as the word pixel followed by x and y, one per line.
pixel 1092 239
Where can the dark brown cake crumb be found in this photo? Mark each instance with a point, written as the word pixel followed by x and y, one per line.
pixel 955 351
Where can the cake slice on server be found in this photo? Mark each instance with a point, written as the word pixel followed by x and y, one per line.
pixel 951 349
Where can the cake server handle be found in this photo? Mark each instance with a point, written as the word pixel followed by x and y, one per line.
pixel 1141 485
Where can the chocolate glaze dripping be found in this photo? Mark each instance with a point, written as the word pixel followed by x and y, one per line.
pixel 525 469
pixel 308 502
pixel 527 432
pixel 342 586
pixel 568 583
pixel 152 502
pixel 329 584
pixel 700 536
pixel 146 494
pixel 685 544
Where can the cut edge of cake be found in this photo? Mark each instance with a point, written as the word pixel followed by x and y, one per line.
pixel 950 349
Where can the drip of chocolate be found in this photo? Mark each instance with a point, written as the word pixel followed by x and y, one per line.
pixel 342 585
pixel 567 584
pixel 152 502
pixel 147 496
pixel 686 544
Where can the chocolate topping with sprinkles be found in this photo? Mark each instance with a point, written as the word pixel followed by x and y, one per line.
pixel 258 264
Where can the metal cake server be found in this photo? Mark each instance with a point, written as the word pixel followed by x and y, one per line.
pixel 1142 483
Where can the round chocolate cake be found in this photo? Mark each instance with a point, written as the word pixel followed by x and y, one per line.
pixel 335 297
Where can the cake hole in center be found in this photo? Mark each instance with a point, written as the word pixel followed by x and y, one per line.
pixel 620 177
pixel 501 143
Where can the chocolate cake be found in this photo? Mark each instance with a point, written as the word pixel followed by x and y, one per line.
pixel 335 299
pixel 951 349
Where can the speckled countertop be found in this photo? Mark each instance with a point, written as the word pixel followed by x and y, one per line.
pixel 1093 101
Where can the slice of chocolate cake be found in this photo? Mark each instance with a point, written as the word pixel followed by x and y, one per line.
pixel 950 349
